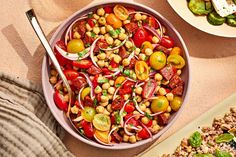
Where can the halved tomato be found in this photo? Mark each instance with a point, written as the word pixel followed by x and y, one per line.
pixel 121 12
pixel 71 74
pixel 149 88
pixel 102 136
pixel 59 101
pixel 141 70
pixel 85 63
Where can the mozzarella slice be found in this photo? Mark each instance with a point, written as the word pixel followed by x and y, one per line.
pixel 224 7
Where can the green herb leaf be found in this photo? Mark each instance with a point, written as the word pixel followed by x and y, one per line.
pixel 104 92
pixel 127 72
pixel 104 80
pixel 112 32
pixel 195 139
pixel 117 118
pixel 118 85
pixel 129 18
pixel 203 155
pixel 121 68
pixel 226 137
pixel 118 31
pixel 82 53
pixel 87 44
pixel 148 115
pixel 93 34
pixel 220 153
pixel 95 102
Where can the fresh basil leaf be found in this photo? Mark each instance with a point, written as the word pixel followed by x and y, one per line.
pixel 195 139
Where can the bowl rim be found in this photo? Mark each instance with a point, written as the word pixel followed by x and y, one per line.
pixel 117 146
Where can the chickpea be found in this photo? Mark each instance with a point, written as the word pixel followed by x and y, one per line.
pixel 126 22
pixel 74 109
pixel 105 86
pixel 109 109
pixel 103 30
pixel 142 107
pixel 137 16
pixel 122 36
pixel 122 30
pixel 166 82
pixel 142 56
pixel 59 87
pixel 148 51
pixel 148 111
pixel 125 62
pixel 114 36
pixel 100 109
pixel 109 28
pixel 136 112
pixel 53 72
pixel 125 138
pixel 106 64
pixel 158 77
pixel 89 34
pixel 126 96
pixel 147 103
pixel 101 56
pixel 101 63
pixel 109 40
pixel 179 72
pixel 106 35
pixel 145 120
pixel 104 98
pixel 144 17
pixel 167 115
pixel 117 59
pixel 117 42
pixel 110 96
pixel 111 90
pixel 101 12
pixel 102 21
pixel 103 103
pixel 168 109
pixel 96 30
pixel 128 44
pixel 162 91
pixel 132 139
pixel 170 96
pixel 95 16
pixel 155 40
pixel 111 82
pixel 138 98
pixel 154 122
pixel 155 128
pixel 98 90
pixel 76 35
pixel 95 58
pixel 53 79
pixel 88 27
pixel 137 51
pixel 138 90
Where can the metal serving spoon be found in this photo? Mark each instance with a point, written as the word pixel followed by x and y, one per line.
pixel 38 30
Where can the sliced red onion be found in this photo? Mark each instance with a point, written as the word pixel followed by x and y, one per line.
pixel 155 45
pixel 111 131
pixel 79 98
pixel 91 51
pixel 114 48
pixel 121 112
pixel 137 107
pixel 113 74
pixel 131 56
pixel 92 95
pixel 125 124
pixel 69 32
pixel 153 73
pixel 134 128
pixel 99 141
pixel 127 78
pixel 59 82
pixel 117 89
pixel 139 84
pixel 72 56
pixel 153 31
pixel 77 119
pixel 136 57
pixel 146 128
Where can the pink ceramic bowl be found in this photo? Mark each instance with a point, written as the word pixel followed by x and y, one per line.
pixel 48 89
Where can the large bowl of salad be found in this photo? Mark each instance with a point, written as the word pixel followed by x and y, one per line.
pixel 128 68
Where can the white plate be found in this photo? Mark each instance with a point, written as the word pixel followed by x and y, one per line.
pixel 200 22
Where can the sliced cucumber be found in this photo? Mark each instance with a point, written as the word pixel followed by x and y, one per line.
pixel 215 19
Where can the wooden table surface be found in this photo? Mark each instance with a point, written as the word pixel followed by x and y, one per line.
pixel 213 59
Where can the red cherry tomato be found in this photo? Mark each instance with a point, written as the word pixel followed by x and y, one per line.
pixel 59 101
pixel 85 64
pixel 152 22
pixel 125 91
pixel 140 36
pixel 117 104
pixel 167 42
pixel 95 81
pixel 108 9
pixel 149 88
pixel 129 107
pixel 93 70
pixel 149 124
pixel 71 74
pixel 88 128
pixel 132 121
pixel 114 64
pixel 143 134
pixel 106 71
pixel 91 23
pixel 128 84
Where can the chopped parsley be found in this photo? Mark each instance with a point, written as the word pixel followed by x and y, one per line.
pixel 121 68
pixel 82 53
pixel 93 34
pixel 129 18
pixel 118 31
pixel 87 44
pixel 127 72
pixel 90 15
pixel 117 118
pixel 148 115
pixel 115 32
pixel 104 92
pixel 95 102
pixel 118 85
pixel 104 80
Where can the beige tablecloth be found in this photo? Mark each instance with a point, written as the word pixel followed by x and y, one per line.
pixel 213 59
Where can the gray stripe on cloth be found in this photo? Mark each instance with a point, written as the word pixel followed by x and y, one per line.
pixel 27 127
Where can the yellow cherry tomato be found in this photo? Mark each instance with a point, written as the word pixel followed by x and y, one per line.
pixel 141 70
pixel 113 21
pixel 102 136
pixel 175 50
pixel 85 92
pixel 121 12
pixel 176 60
pixel 160 104
pixel 102 122
pixel 158 60
pixel 75 46
pixel 88 113
pixel 176 103
pixel 119 80
pixel 145 45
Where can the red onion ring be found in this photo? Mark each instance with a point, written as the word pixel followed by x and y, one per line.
pixel 117 89
pixel 92 95
pixel 109 134
pixel 79 101
pixel 153 31
pixel 121 112
pixel 91 51
pixel 125 124
pixel 112 75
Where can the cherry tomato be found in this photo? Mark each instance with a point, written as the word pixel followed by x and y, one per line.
pixel 78 82
pixel 160 104
pixel 121 12
pixel 93 70
pixel 75 46
pixel 88 113
pixel 95 81
pixel 85 92
pixel 145 45
pixel 128 84
pixel 131 27
pixel 140 36
pixel 167 42
pixel 106 71
pixel 152 22
pixel 176 60
pixel 119 80
pixel 59 101
pixel 114 64
pixel 113 21
pixel 117 103
pixel 149 124
pixel 176 103
pixel 108 9
pixel 143 134
pixel 91 23
pixel 176 51
pixel 102 122
pixel 85 64
pixel 149 88
pixel 102 136
pixel 132 121
pixel 141 70
pixel 129 107
pixel 88 128
pixel 62 60
pixel 125 91
pixel 158 60
pixel 71 74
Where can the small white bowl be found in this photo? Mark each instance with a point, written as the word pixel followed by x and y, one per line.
pixel 48 88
